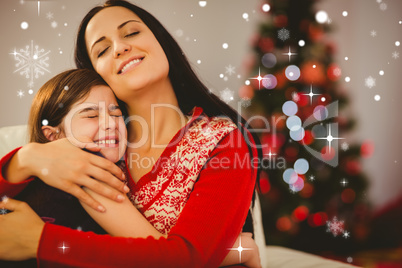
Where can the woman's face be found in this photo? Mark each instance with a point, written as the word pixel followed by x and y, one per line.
pixel 125 52
pixel 99 118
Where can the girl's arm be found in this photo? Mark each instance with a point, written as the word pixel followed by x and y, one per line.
pixel 62 165
pixel 121 219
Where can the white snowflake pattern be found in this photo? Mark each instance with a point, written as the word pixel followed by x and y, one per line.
pixel 345 146
pixel 335 227
pixel 283 34
pixel 245 102
pixel 20 93
pixel 369 82
pixel 3 211
pixel 311 178
pixel 373 33
pixel 49 15
pixel 230 69
pixel 383 6
pixel 32 62
pixel 226 95
pixel 395 55
pixel 346 234
pixel 53 24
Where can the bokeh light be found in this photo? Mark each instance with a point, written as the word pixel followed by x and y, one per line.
pixel 297 135
pixel 321 16
pixel 298 185
pixel 292 72
pixel 320 113
pixel 301 166
pixel 293 123
pixel 290 176
pixel 269 81
pixel 289 108
pixel 266 7
pixel 269 60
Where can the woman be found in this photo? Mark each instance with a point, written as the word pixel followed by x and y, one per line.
pixel 146 69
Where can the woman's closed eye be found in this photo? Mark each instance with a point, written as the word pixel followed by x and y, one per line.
pixel 102 52
pixel 132 34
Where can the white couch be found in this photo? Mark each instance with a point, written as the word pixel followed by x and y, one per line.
pixel 271 256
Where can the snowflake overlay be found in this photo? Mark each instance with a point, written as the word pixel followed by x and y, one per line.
pixel 246 102
pixel 337 227
pixel 230 69
pixel 345 146
pixel 32 62
pixel 283 34
pixel 226 95
pixel 20 93
pixel 369 82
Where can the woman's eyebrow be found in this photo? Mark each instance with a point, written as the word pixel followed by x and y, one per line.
pixel 124 23
pixel 118 28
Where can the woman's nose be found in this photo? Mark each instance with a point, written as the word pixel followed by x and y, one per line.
pixel 121 48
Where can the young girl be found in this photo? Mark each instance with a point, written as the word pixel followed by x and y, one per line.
pixel 78 105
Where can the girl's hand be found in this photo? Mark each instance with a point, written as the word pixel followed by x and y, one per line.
pixel 64 166
pixel 20 231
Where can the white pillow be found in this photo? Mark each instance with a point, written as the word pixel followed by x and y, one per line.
pixel 12 137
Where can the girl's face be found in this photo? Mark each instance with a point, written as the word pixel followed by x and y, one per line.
pixel 99 118
pixel 125 52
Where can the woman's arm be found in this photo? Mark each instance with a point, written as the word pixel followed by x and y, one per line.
pixel 123 219
pixel 62 165
pixel 208 225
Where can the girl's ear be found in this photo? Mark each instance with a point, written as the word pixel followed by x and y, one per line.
pixel 51 133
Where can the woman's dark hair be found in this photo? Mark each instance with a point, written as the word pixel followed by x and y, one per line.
pixel 189 90
pixel 55 98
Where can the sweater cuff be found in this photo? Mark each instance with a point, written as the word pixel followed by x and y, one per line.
pixel 52 250
pixel 6 187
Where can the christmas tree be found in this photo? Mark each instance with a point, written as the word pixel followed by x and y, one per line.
pixel 312 186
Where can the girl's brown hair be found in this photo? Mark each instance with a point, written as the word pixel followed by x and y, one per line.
pixel 56 97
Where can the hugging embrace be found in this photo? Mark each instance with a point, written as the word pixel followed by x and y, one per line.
pixel 76 198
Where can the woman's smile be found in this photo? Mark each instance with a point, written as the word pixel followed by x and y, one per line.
pixel 129 64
